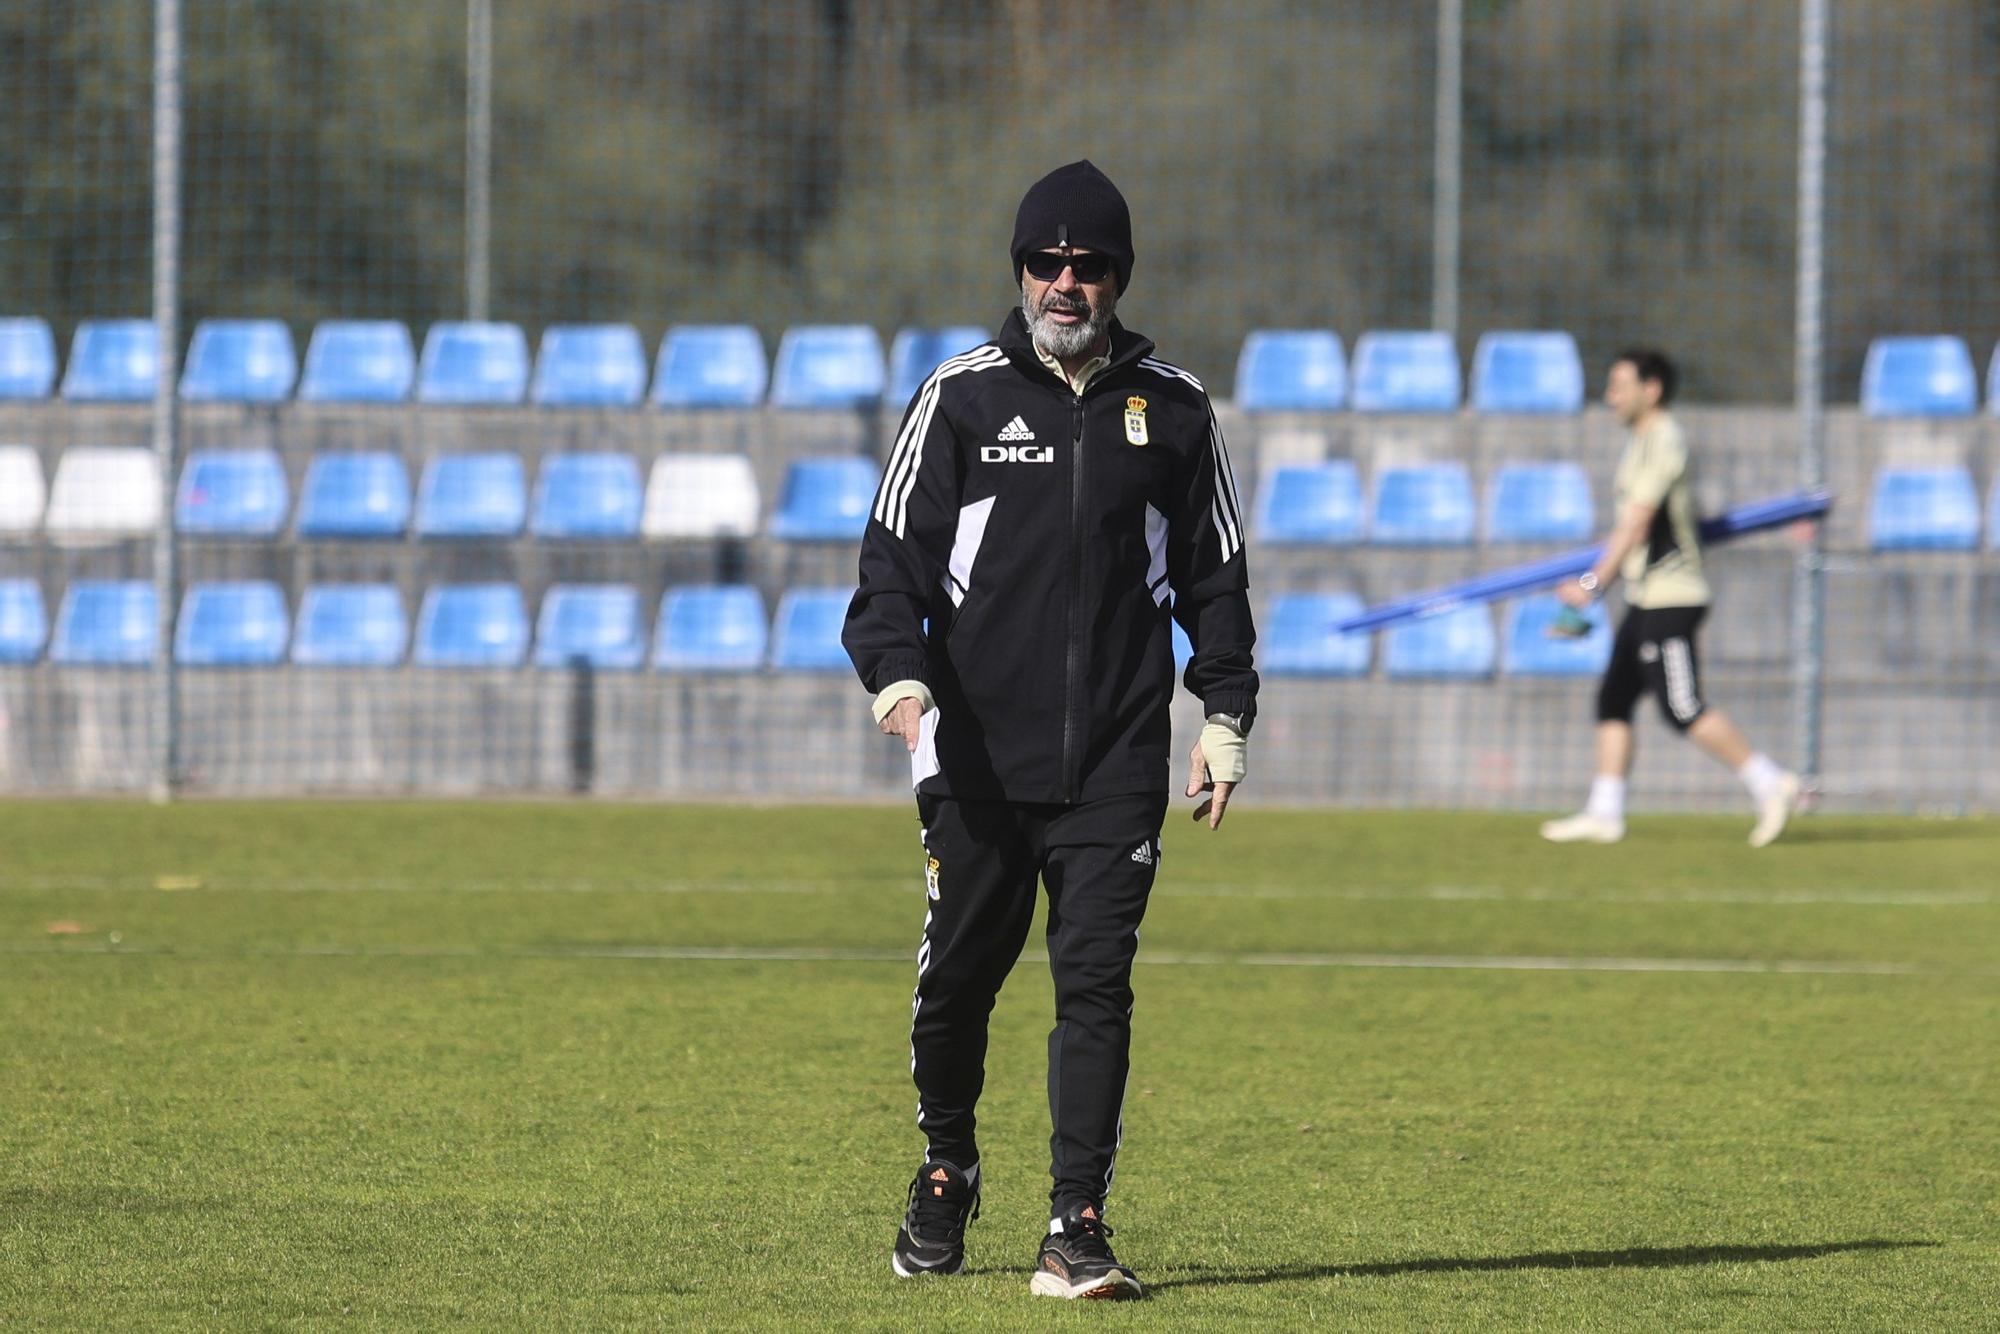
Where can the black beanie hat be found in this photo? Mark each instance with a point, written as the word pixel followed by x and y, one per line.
pixel 1075 205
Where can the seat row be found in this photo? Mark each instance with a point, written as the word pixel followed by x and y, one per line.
pixel 1421 504
pixel 482 363
pixel 716 627
pixel 723 627
pixel 103 492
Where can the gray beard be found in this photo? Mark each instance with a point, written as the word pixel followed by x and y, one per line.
pixel 1064 341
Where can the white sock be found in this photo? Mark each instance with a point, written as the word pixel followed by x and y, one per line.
pixel 1607 798
pixel 1760 775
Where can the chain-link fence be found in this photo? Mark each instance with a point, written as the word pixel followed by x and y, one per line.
pixel 403 553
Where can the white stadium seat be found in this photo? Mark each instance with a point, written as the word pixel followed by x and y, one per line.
pixel 700 495
pixel 104 492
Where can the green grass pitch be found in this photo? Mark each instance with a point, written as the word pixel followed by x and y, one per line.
pixel 549 1066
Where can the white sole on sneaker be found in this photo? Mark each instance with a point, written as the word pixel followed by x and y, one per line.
pixel 1108 1287
pixel 1776 812
pixel 896 1265
pixel 1583 829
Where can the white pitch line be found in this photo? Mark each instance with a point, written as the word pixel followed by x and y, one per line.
pixel 1157 958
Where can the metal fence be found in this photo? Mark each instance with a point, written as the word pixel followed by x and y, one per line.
pixel 1763 190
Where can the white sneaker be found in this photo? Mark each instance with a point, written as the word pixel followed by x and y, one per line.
pixel 1775 810
pixel 1584 828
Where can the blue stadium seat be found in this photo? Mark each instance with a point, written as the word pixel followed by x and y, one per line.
pixel 1516 371
pixel 472 495
pixel 1452 643
pixel 27 357
pixel 1993 382
pixel 807 636
pixel 1532 651
pixel 1917 376
pixel 472 625
pixel 232 624
pixel 350 625
pixel 240 361
pixel 1423 504
pixel 1292 370
pixel 232 492
pixel 106 623
pixel 1301 640
pixel 826 500
pixel 710 366
pixel 1312 505
pixel 24 620
pixel 1405 372
pixel 473 362
pixel 112 361
pixel 710 627
pixel 596 622
pixel 915 353
pixel 1183 649
pixel 828 366
pixel 587 496
pixel 1539 502
pixel 1924 509
pixel 590 366
pixel 360 494
pixel 359 361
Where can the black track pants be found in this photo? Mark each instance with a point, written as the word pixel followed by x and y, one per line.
pixel 1098 861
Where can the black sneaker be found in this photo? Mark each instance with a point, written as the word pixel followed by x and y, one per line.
pixel 1077 1261
pixel 942 1201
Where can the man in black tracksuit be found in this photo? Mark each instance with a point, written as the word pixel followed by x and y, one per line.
pixel 1052 498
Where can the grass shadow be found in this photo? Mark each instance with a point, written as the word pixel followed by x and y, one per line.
pixel 1645 1257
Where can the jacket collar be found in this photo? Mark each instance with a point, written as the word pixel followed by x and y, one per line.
pixel 1014 339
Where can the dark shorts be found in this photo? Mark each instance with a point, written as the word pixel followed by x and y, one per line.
pixel 1654 651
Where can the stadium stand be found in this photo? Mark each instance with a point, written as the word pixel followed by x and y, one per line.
pixel 710 627
pixel 1309 505
pixel 23 492
pixel 1405 372
pixel 472 495
pixel 232 492
pixel 1456 643
pixel 105 623
pixel 1993 382
pixel 359 361
pixel 593 496
pixel 589 366
pixel 112 361
pixel 102 493
pixel 1300 639
pixel 915 353
pixel 240 361
pixel 1183 649
pixel 1515 371
pixel 595 623
pixel 806 634
pixel 1924 509
pixel 710 366
pixel 365 493
pixel 825 499
pixel 232 624
pixel 1539 502
pixel 1291 370
pixel 24 621
pixel 1530 650
pixel 700 495
pixel 829 366
pixel 27 357
pixel 350 625
pixel 467 362
pixel 1919 376
pixel 472 625
pixel 1422 504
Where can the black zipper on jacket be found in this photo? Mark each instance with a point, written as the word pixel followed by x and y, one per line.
pixel 1070 685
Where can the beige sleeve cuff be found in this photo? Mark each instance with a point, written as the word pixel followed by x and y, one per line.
pixel 899 690
pixel 1226 751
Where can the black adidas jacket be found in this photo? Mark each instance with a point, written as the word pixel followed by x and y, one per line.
pixel 1020 560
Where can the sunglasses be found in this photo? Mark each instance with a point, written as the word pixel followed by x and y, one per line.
pixel 1090 268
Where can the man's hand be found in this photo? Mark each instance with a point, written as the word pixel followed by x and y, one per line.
pixel 904 720
pixel 1573 594
pixel 1199 782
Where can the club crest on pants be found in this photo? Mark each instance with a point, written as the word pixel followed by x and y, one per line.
pixel 931 876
